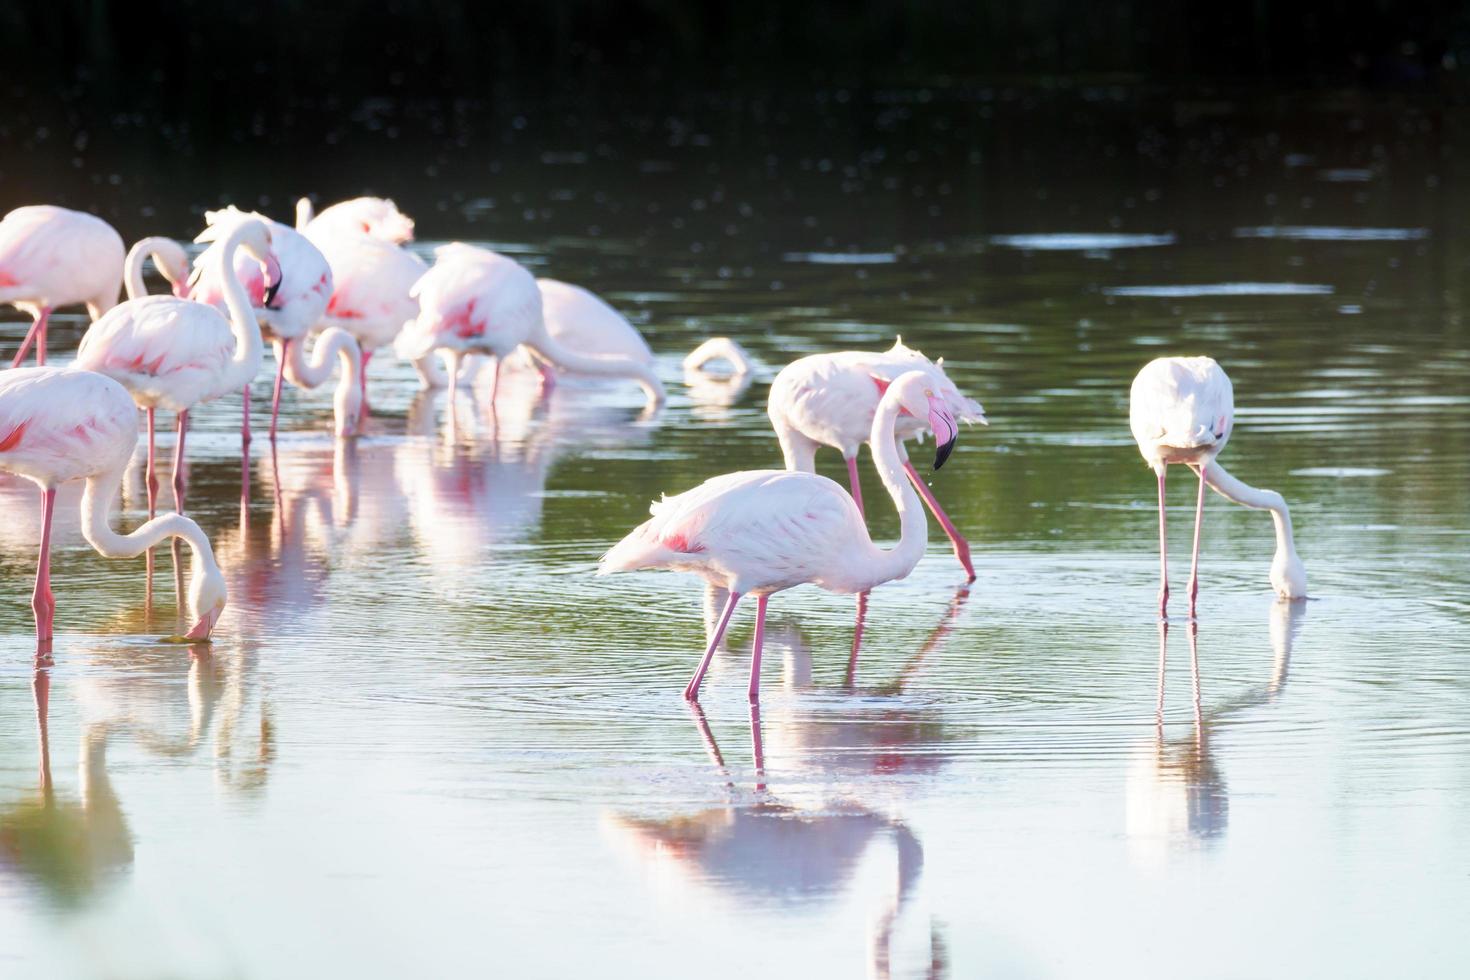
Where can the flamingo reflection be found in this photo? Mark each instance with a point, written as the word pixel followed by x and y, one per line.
pixel 1176 791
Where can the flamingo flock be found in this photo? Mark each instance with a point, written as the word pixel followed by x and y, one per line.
pixel 345 284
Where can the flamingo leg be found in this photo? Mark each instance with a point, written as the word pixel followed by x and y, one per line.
pixel 691 693
pixel 151 478
pixel 1163 551
pixel 42 602
pixel 1199 515
pixel 961 546
pixel 757 749
pixel 182 420
pixel 245 419
pixel 755 650
pixel 280 378
pixel 857 638
pixel 852 479
pixel 38 329
pixel 494 379
pixel 42 323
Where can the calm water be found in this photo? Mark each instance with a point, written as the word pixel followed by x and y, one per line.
pixel 428 740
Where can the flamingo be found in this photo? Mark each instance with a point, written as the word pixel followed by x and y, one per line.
pixel 62 424
pixel 829 400
pixel 174 353
pixel 287 314
pixel 372 283
pixel 761 531
pixel 1182 410
pixel 168 257
pixel 52 257
pixel 474 300
pixel 375 217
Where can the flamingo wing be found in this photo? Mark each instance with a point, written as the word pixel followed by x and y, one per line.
pixel 1181 403
pixel 169 352
pixel 581 320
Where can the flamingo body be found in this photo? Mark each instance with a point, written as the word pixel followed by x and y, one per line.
pixel 581 319
pixel 52 257
pixel 372 284
pixel 170 353
pixel 375 217
pixel 472 300
pixel 305 286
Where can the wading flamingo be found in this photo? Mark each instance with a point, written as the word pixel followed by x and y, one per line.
pixel 174 353
pixel 760 531
pixel 375 217
pixel 1182 410
pixel 474 300
pixel 829 400
pixel 169 258
pixel 52 257
pixel 372 282
pixel 288 314
pixel 62 424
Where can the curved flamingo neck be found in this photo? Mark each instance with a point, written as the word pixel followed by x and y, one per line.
pixel 347 400
pixel 97 529
pixel 133 265
pixel 249 348
pixel 541 341
pixel 913 537
pixel 1230 488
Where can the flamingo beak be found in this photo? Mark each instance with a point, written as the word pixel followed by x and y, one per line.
pixel 272 281
pixel 205 626
pixel 946 431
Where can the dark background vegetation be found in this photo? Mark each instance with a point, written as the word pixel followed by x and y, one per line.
pixel 185 57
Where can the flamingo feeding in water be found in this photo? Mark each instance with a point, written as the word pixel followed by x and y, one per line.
pixel 760 531
pixel 372 284
pixel 477 301
pixel 375 217
pixel 174 353
pixel 62 424
pixel 287 314
pixel 1182 410
pixel 52 257
pixel 829 400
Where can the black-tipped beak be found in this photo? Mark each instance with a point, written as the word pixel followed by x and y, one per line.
pixel 270 293
pixel 941 453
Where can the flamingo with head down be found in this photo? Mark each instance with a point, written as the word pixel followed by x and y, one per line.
pixel 1182 410
pixel 829 400
pixel 287 314
pixel 761 531
pixel 63 424
pixel 52 257
pixel 175 353
pixel 474 300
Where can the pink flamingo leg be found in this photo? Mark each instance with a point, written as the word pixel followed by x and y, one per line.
pixel 38 329
pixel 757 749
pixel 1199 514
pixel 42 602
pixel 182 420
pixel 151 477
pixel 494 380
pixel 961 546
pixel 691 693
pixel 245 419
pixel 755 650
pixel 1163 551
pixel 857 488
pixel 276 395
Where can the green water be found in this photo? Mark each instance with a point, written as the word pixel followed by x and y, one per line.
pixel 428 740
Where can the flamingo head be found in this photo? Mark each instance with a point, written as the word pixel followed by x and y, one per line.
pixel 255 241
pixel 207 595
pixel 1288 575
pixel 173 263
pixel 917 395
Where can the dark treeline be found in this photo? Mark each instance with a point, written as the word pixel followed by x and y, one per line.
pixel 261 52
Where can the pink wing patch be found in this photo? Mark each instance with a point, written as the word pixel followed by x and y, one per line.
pixel 682 544
pixel 340 311
pixel 6 279
pixel 12 438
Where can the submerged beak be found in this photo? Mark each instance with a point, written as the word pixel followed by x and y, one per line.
pixel 946 431
pixel 205 626
pixel 272 281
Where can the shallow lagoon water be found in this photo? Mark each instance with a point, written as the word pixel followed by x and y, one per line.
pixel 427 739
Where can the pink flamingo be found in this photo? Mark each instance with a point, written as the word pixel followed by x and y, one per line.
pixel 375 217
pixel 829 400
pixel 168 257
pixel 372 282
pixel 477 301
pixel 761 531
pixel 62 424
pixel 174 353
pixel 1182 410
pixel 52 257
pixel 287 314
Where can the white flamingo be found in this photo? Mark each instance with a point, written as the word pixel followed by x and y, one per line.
pixel 1182 410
